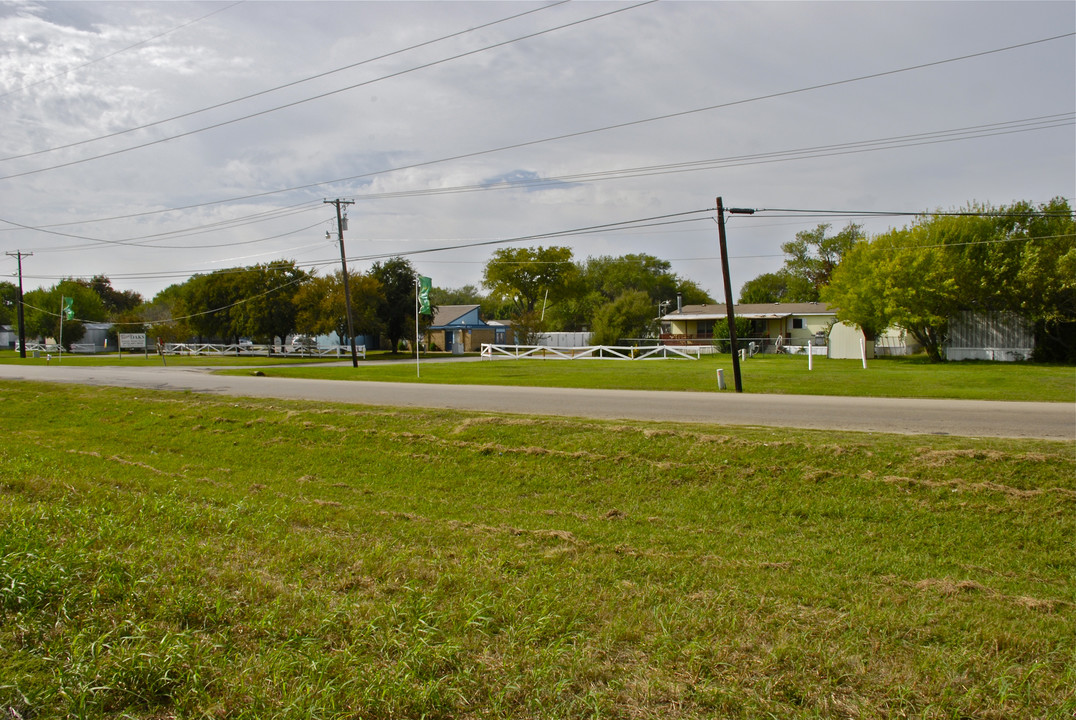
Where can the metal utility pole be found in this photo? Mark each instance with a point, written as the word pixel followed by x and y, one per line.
pixel 730 312
pixel 22 324
pixel 343 264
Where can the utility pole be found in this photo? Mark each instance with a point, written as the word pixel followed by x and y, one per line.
pixel 730 312
pixel 343 264
pixel 22 324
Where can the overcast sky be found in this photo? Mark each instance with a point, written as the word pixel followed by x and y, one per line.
pixel 445 133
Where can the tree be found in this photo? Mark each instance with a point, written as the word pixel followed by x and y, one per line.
pixel 268 306
pixel 630 315
pixel 42 311
pixel 813 256
pixel 397 309
pixel 777 287
pixel 601 280
pixel 115 301
pixel 1018 258
pixel 9 303
pixel 692 294
pixel 466 295
pixel 211 300
pixel 614 276
pixel 167 315
pixel 529 276
pixel 320 308
pixel 858 291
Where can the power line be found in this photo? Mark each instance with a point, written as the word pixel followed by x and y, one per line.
pixel 320 96
pixel 889 143
pixel 110 55
pixel 652 221
pixel 272 89
pixel 811 152
pixel 542 140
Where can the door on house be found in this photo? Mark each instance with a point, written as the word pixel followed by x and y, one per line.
pixel 448 340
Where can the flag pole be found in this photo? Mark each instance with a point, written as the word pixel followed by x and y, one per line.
pixel 418 369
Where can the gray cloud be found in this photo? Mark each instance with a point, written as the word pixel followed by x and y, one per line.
pixel 659 59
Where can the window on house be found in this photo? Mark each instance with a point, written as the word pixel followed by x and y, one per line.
pixel 797 323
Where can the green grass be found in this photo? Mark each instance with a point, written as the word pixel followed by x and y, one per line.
pixel 782 374
pixel 11 357
pixel 176 555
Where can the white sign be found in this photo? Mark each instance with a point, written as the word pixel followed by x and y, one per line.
pixel 132 340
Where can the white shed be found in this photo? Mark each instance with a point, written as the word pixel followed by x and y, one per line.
pixel 845 342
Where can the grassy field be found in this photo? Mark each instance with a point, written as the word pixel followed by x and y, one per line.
pixel 785 374
pixel 11 357
pixel 175 555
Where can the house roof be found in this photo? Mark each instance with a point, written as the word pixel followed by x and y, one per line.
pixel 756 311
pixel 445 314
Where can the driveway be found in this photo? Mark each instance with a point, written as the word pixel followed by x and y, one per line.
pixel 969 418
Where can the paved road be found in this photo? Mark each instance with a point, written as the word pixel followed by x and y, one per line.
pixel 970 418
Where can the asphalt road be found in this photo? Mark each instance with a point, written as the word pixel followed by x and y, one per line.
pixel 968 418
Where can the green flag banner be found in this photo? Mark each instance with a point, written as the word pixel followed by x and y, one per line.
pixel 424 285
pixel 68 308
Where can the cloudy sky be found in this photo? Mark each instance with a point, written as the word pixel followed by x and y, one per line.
pixel 148 141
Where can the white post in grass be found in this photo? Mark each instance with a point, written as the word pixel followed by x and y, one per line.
pixel 863 351
pixel 810 356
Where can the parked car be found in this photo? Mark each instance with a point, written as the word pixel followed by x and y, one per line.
pixel 300 343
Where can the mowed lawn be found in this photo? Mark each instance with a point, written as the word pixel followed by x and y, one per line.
pixel 175 555
pixel 783 374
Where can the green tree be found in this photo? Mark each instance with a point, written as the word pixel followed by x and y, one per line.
pixel 397 310
pixel 720 337
pixel 1018 258
pixel 601 280
pixel 320 306
pixel 466 295
pixel 692 293
pixel 42 311
pixel 630 315
pixel 268 309
pixel 166 315
pixel 115 301
pixel 9 303
pixel 529 277
pixel 779 287
pixel 857 289
pixel 614 276
pixel 210 300
pixel 813 256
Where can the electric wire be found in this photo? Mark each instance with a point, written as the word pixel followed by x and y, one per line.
pixel 278 87
pixel 812 152
pixel 320 96
pixel 652 221
pixel 605 128
pixel 148 40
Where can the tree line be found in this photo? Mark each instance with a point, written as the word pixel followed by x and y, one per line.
pixel 538 289
pixel 1018 258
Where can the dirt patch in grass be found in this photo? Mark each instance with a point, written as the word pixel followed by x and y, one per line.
pixel 960 485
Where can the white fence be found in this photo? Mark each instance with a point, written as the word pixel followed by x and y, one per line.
pixel 208 349
pixel 589 352
pixel 211 350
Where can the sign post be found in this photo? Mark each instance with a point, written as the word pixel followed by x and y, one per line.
pixel 133 340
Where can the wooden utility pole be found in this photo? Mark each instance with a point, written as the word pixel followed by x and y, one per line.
pixel 21 316
pixel 343 265
pixel 729 311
